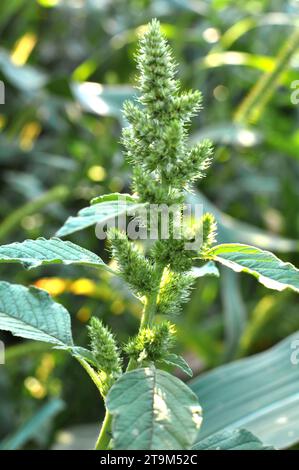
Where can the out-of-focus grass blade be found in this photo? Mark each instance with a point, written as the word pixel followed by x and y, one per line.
pixel 244 25
pixel 30 429
pixel 234 310
pixel 251 108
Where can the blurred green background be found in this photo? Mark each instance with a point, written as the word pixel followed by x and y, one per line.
pixel 67 66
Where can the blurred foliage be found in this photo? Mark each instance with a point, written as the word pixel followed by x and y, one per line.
pixel 67 66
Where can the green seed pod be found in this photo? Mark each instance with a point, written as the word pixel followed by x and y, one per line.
pixel 105 352
pixel 137 270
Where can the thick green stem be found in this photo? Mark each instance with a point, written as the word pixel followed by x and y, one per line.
pixel 105 433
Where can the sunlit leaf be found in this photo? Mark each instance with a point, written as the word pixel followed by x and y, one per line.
pixel 266 267
pixel 153 410
pixel 109 207
pixel 178 361
pixel 31 313
pixel 34 253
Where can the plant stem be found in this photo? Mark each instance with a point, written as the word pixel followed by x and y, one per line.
pixel 105 433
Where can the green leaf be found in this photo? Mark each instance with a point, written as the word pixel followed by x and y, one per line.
pixel 208 269
pixel 86 354
pixel 39 252
pixel 237 439
pixel 31 313
pixel 114 197
pixel 109 207
pixel 178 361
pixel 259 393
pixel 266 267
pixel 34 426
pixel 153 410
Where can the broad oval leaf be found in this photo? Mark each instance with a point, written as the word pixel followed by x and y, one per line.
pixel 31 313
pixel 39 252
pixel 99 213
pixel 259 393
pixel 266 267
pixel 153 410
pixel 237 439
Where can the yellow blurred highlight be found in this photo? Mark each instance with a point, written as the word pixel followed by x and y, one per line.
pixel 23 48
pixel 48 3
pixel 117 307
pixel 83 287
pixel 35 388
pixel 2 121
pixel 97 173
pixel 221 93
pixel 116 184
pixel 53 285
pixel 31 222
pixel 85 70
pixel 29 134
pixel 105 292
pixel 55 387
pixel 45 368
pixel 135 309
pixel 211 35
pixel 113 265
pixel 56 286
pixel 84 314
pixel 165 278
